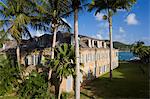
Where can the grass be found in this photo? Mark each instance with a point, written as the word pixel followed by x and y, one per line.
pixel 129 81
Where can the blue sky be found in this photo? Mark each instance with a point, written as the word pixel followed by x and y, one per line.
pixel 128 27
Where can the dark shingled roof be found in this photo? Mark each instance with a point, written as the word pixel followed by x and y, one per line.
pixel 46 40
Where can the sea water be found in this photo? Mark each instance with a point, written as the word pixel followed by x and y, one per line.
pixel 126 56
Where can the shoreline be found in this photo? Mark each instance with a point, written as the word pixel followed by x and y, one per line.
pixel 124 51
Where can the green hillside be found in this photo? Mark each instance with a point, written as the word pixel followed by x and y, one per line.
pixel 121 46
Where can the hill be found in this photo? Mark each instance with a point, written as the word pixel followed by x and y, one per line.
pixel 121 46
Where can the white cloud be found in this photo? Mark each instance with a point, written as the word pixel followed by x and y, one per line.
pixel 102 33
pixel 120 37
pixel 121 30
pixel 99 16
pixel 131 19
pixel 98 36
pixel 66 22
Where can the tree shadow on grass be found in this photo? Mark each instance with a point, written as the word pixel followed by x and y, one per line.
pixel 128 82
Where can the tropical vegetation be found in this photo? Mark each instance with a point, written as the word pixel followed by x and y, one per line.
pixel 9 76
pixel 35 85
pixel 63 65
pixel 18 16
pixel 141 51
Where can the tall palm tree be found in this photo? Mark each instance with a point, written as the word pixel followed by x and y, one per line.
pixel 76 5
pixel 15 20
pixel 111 7
pixel 54 11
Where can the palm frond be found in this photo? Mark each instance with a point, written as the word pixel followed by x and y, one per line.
pixel 3 5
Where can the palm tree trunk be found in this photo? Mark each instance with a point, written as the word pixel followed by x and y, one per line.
pixel 60 90
pixel 18 56
pixel 111 44
pixel 77 89
pixel 52 55
pixel 54 42
pixel 18 60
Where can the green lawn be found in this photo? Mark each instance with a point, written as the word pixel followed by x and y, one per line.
pixel 129 81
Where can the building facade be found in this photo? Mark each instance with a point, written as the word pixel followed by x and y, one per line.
pixel 94 55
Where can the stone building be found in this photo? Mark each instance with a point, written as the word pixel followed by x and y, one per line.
pixel 94 55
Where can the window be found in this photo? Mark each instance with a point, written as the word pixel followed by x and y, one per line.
pixel 92 57
pixel 97 56
pixel 89 74
pixel 69 83
pixel 32 59
pixel 99 70
pixel 86 57
pixel 81 58
pixel 29 60
pixel 39 58
pixel 36 59
pixel 102 69
pixel 43 60
pixel 26 60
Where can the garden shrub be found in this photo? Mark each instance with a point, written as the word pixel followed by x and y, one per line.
pixel 9 76
pixel 35 86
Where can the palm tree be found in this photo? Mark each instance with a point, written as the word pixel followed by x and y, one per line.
pixel 3 37
pixel 2 4
pixel 15 21
pixel 142 51
pixel 63 65
pixel 13 24
pixel 76 5
pixel 111 7
pixel 54 11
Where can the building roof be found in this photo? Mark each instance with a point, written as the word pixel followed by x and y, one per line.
pixel 45 41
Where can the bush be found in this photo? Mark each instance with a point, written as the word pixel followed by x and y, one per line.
pixel 35 86
pixel 9 76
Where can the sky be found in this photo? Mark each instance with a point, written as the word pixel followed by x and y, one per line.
pixel 128 27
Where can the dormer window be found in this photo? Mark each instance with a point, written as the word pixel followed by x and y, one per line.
pixel 104 44
pixel 93 43
pixel 89 43
pixel 100 44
